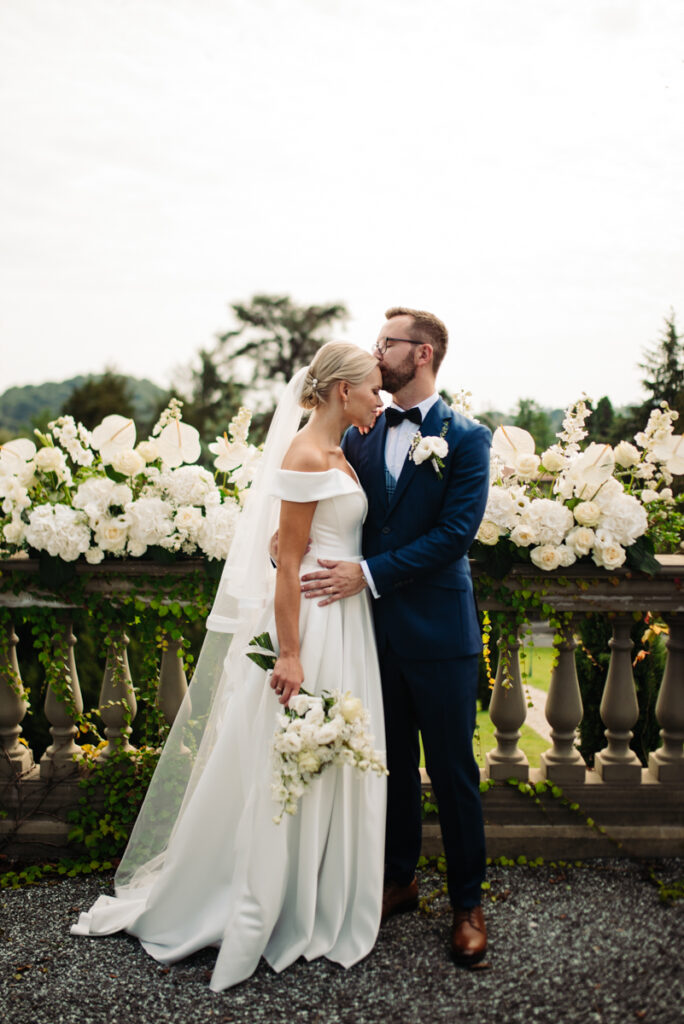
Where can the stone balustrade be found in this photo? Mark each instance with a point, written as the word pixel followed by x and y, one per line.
pixel 640 808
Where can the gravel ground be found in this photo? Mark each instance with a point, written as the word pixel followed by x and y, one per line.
pixel 582 945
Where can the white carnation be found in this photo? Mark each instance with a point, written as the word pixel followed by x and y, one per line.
pixel 51 460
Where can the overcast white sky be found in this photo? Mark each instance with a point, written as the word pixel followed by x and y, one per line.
pixel 515 167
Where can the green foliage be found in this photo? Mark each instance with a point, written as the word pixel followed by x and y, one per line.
pixel 664 366
pixel 535 420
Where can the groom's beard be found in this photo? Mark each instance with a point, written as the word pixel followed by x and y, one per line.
pixel 395 379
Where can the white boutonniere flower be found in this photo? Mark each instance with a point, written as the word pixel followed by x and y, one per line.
pixel 434 448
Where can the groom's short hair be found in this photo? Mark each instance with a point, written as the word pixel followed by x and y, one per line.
pixel 425 327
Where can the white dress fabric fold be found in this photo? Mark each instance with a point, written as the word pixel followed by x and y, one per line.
pixel 231 877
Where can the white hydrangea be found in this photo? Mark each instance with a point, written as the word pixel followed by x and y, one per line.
pixel 60 530
pixel 502 509
pixel 218 528
pixel 188 485
pixel 98 494
pixel 622 515
pixel 150 522
pixel 549 520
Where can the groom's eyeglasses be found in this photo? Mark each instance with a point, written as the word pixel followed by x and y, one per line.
pixel 382 344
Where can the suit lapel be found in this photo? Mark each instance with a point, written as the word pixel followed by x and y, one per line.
pixel 431 426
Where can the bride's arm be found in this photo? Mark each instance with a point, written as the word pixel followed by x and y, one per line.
pixel 293 539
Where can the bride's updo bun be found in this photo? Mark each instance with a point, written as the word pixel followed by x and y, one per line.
pixel 335 361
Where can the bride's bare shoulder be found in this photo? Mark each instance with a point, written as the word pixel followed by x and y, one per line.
pixel 303 456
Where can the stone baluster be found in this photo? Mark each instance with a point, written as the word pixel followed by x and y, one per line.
pixel 15 757
pixel 117 705
pixel 563 709
pixel 58 759
pixel 173 684
pixel 667 763
pixel 617 762
pixel 507 711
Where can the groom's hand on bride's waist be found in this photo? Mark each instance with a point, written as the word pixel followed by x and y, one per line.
pixel 334 581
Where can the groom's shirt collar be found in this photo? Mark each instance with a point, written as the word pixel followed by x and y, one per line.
pixel 424 406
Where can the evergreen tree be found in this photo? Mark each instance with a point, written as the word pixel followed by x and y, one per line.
pixel 534 419
pixel 601 423
pixel 98 397
pixel 664 366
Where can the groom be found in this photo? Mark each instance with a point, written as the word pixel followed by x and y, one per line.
pixel 422 519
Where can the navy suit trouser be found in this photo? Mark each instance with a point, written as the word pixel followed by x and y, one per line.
pixel 437 698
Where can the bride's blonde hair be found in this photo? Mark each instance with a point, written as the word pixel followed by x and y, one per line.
pixel 335 361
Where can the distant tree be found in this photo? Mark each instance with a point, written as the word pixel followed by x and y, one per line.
pixel 664 366
pixel 275 336
pixel 98 397
pixel 601 423
pixel 533 418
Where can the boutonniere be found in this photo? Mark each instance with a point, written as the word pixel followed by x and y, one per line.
pixel 434 448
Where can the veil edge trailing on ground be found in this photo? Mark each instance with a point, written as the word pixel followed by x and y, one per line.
pixel 245 586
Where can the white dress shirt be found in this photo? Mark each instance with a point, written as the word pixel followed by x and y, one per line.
pixel 397 445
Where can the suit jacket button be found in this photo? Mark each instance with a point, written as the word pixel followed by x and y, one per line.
pixel 386 529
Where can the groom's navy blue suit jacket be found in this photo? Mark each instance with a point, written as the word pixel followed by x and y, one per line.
pixel 416 543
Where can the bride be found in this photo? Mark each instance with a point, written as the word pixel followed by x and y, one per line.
pixel 205 864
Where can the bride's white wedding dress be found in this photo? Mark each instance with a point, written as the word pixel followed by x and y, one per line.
pixel 230 877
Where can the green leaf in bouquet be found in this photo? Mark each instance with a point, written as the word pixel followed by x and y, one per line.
pixel 640 556
pixel 263 643
pixel 496 559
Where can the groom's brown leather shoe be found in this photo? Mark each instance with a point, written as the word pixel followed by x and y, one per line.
pixel 468 936
pixel 397 899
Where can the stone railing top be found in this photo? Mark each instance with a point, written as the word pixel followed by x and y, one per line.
pixel 581 588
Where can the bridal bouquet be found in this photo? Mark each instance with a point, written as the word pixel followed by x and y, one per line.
pixel 314 732
pixel 100 495
pixel 606 503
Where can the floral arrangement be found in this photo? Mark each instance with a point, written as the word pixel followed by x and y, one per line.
pixel 609 504
pixel 314 732
pixel 99 495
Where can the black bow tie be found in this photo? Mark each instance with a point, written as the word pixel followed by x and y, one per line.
pixel 396 416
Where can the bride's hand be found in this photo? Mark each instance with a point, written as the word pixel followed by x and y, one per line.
pixel 287 677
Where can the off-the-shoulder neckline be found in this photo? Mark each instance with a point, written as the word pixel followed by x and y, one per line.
pixel 324 472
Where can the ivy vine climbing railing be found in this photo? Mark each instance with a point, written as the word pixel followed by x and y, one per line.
pixel 82 791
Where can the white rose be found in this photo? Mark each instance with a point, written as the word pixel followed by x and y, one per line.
pixel 580 540
pixel 14 531
pixel 626 454
pixel 566 555
pixel 429 447
pixel 111 533
pixel 300 704
pixel 290 742
pixel 350 707
pixel 546 557
pixel 553 460
pixel 94 556
pixel 609 554
pixel 527 466
pixel 523 535
pixel 148 451
pixel 308 762
pixel 647 495
pixel 488 533
pixel 128 462
pixel 587 513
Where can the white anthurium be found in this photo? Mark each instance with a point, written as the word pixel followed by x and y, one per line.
pixel 178 443
pixel 115 434
pixel 671 452
pixel 591 469
pixel 15 454
pixel 229 454
pixel 510 443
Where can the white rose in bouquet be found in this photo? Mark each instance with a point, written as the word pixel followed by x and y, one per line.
pixel 128 462
pixel 111 534
pixel 626 454
pixel 51 460
pixel 553 460
pixel 94 556
pixel 488 532
pixel 350 707
pixel 148 451
pixel 188 520
pixel 607 553
pixel 527 466
pixel 566 556
pixel 429 447
pixel 523 535
pixel 587 513
pixel 546 557
pixel 308 762
pixel 580 540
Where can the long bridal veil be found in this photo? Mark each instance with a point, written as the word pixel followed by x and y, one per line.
pixel 246 584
